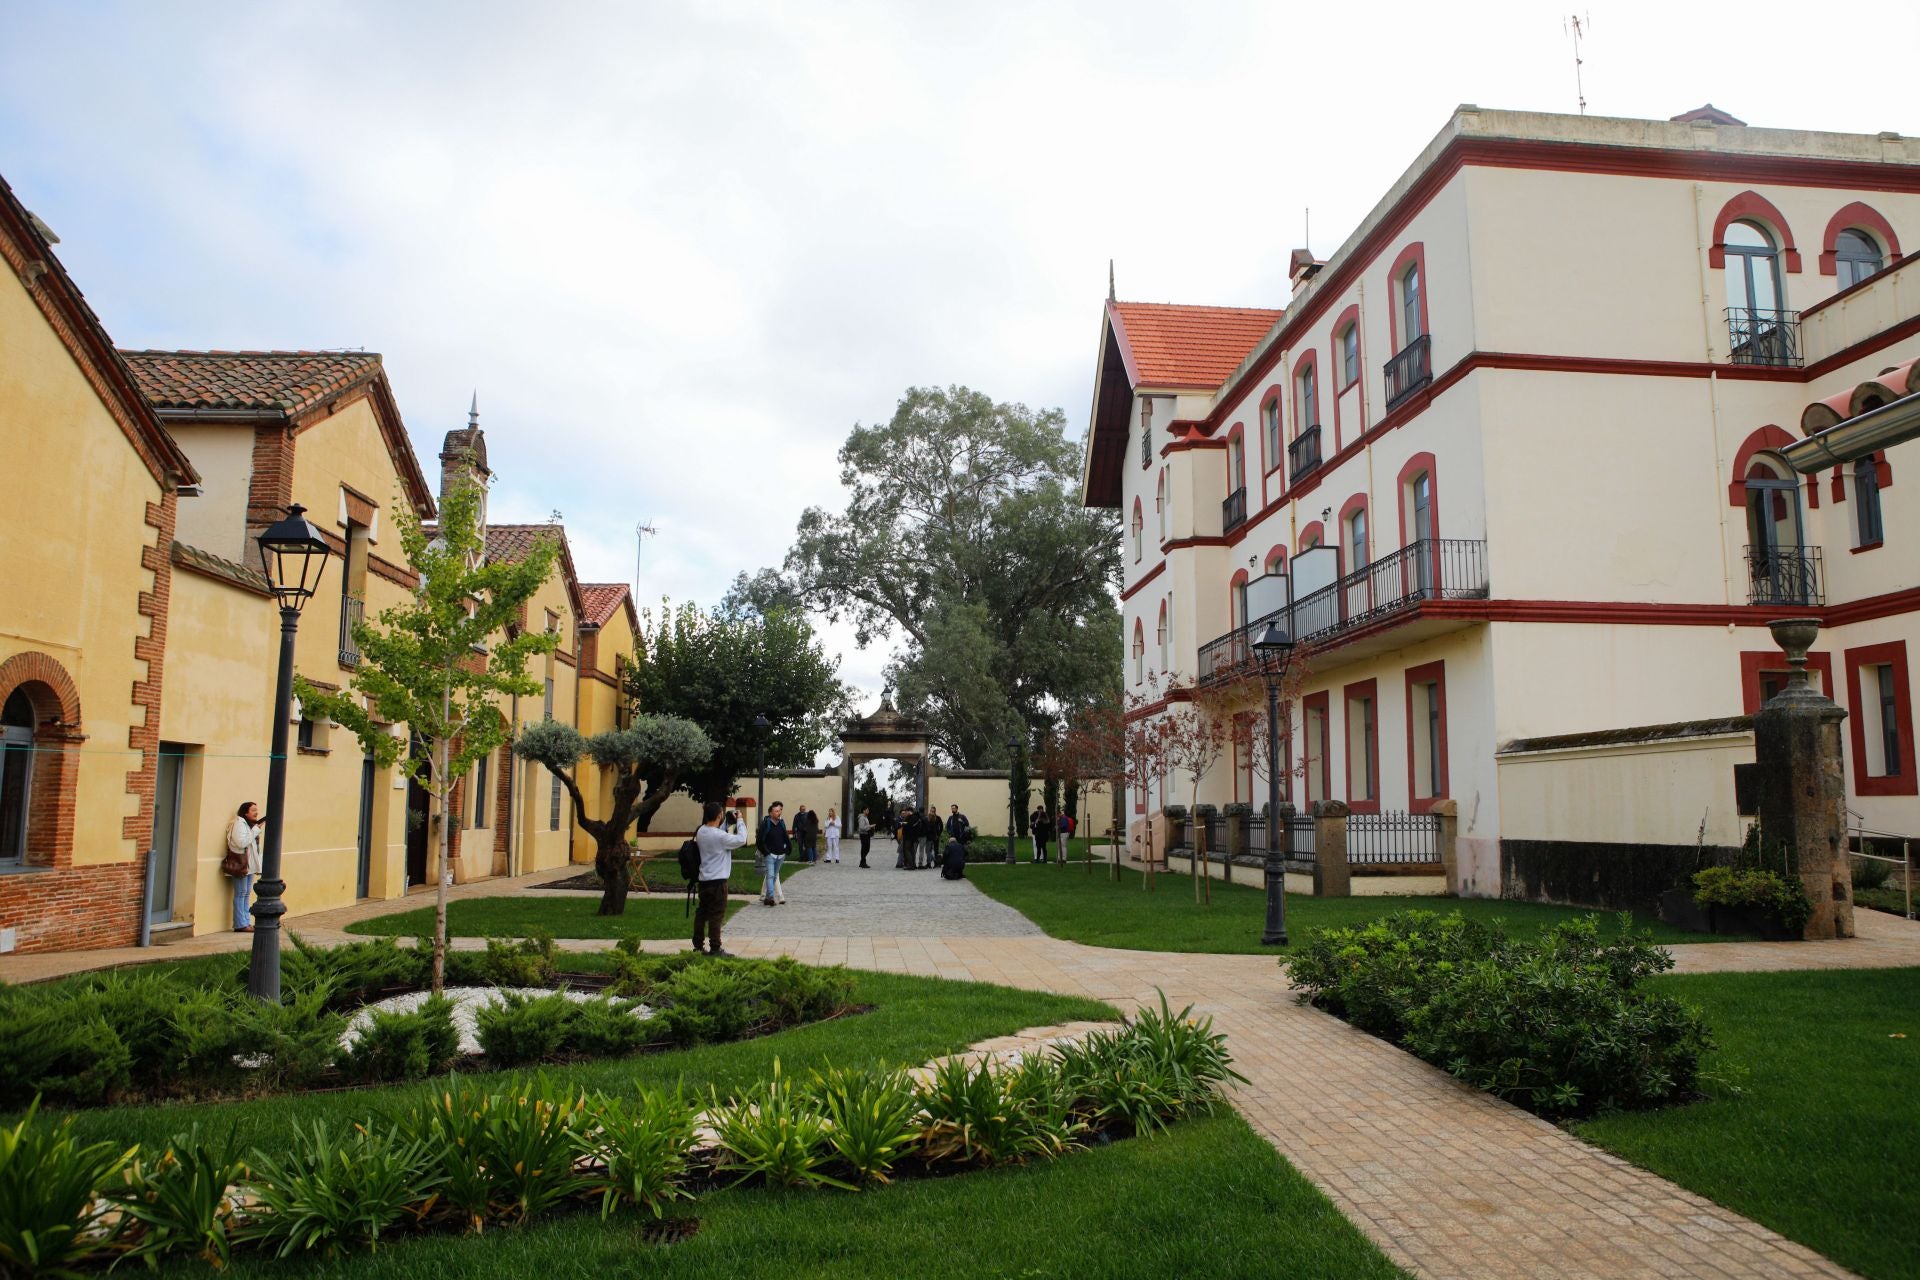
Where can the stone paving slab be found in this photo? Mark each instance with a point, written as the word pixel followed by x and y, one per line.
pixel 844 900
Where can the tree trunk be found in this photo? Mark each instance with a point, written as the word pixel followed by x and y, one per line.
pixel 446 848
pixel 612 861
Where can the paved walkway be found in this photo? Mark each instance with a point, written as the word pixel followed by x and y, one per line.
pixel 1448 1181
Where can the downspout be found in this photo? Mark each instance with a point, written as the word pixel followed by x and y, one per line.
pixel 1713 395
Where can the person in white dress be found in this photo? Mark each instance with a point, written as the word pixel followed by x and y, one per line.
pixel 833 835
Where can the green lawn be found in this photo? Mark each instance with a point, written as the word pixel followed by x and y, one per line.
pixel 1821 1145
pixel 1069 903
pixel 663 875
pixel 646 916
pixel 1208 1198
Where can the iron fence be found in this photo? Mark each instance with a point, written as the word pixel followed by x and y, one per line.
pixel 1393 837
pixel 1233 512
pixel 1784 575
pixel 1303 454
pixel 1761 336
pixel 1410 370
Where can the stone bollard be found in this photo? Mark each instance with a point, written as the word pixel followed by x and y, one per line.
pixel 1239 816
pixel 1331 878
pixel 1448 811
pixel 1803 793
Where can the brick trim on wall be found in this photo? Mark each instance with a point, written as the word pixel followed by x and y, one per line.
pixel 143 735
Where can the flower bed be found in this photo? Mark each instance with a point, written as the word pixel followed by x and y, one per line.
pixel 472 1158
pixel 1560 1025
pixel 136 1035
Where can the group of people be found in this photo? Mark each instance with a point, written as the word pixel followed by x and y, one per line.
pixel 1042 828
pixel 926 841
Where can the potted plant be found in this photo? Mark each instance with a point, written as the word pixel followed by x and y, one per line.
pixel 1751 900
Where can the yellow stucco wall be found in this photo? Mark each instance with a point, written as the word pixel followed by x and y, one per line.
pixel 70 544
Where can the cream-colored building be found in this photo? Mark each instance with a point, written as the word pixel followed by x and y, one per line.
pixel 1505 462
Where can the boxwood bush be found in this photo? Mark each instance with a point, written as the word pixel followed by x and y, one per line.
pixel 1561 1026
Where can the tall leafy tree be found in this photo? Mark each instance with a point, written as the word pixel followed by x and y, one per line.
pixel 418 666
pixel 719 670
pixel 962 534
pixel 662 748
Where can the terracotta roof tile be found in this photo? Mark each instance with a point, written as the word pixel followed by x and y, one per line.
pixel 601 600
pixel 510 542
pixel 287 381
pixel 1179 346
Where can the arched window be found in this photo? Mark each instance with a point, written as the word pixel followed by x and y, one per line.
pixel 1270 431
pixel 1356 540
pixel 1779 570
pixel 1276 561
pixel 1311 538
pixel 1139 652
pixel 1306 410
pixel 1237 600
pixel 1160 505
pixel 1753 268
pixel 1866 492
pixel 17 724
pixel 1166 626
pixel 1139 524
pixel 1349 344
pixel 1856 256
pixel 1412 314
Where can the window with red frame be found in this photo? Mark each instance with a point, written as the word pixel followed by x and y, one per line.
pixel 1426 735
pixel 1880 720
pixel 1270 432
pixel 1307 392
pixel 1316 731
pixel 1349 342
pixel 1363 746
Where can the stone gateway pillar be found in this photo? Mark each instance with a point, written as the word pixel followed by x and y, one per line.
pixel 1802 784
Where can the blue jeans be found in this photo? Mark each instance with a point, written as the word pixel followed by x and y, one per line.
pixel 242 895
pixel 770 886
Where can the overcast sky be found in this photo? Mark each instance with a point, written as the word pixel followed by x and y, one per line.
pixel 681 249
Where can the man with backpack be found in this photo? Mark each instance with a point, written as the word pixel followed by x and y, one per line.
pixel 712 864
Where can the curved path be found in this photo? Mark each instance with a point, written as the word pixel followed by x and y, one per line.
pixel 1448 1181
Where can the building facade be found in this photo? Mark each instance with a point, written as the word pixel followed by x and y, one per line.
pixel 1506 466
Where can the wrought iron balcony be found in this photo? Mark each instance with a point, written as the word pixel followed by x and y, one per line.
pixel 352 609
pixel 1411 370
pixel 1430 569
pixel 1784 575
pixel 1303 455
pixel 1233 512
pixel 1756 336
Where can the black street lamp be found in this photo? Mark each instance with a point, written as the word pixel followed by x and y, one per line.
pixel 1274 649
pixel 760 724
pixel 293 555
pixel 1013 748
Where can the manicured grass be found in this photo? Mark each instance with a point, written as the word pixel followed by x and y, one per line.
pixel 1069 903
pixel 1820 1144
pixel 911 1021
pixel 662 875
pixel 1207 1198
pixel 646 916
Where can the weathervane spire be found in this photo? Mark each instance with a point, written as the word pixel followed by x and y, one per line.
pixel 473 409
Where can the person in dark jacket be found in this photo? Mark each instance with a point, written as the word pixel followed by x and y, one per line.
pixel 1042 828
pixel 953 864
pixel 905 832
pixel 775 843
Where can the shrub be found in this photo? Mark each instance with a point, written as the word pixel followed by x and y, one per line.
pixel 796 994
pixel 1157 1066
pixel 976 1114
pixel 52 1216
pixel 604 1028
pixel 142 1007
pixel 1373 974
pixel 397 1045
pixel 520 1030
pixel 450 1128
pixel 1189 1051
pixel 353 974
pixel 1749 887
pixel 179 1203
pixel 1870 873
pixel 870 1116
pixel 527 1144
pixel 773 1132
pixel 528 962
pixel 638 975
pixel 62 1049
pixel 707 1003
pixel 642 1149
pixel 290 1045
pixel 325 1193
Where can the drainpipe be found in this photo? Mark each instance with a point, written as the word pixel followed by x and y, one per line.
pixel 1849 441
pixel 1713 394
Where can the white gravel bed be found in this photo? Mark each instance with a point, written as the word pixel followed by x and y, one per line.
pixel 467 1003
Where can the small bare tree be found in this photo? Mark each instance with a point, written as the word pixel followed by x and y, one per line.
pixel 1196 736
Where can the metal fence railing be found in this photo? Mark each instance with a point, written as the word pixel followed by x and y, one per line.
pixel 1393 837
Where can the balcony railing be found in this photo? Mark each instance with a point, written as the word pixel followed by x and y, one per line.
pixel 1430 569
pixel 1233 512
pixel 1303 455
pixel 1784 575
pixel 1756 336
pixel 352 608
pixel 1411 370
pixel 1393 837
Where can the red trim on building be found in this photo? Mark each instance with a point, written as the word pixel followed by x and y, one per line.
pixel 1412 253
pixel 1865 217
pixel 1350 315
pixel 1358 502
pixel 1237 432
pixel 1434 673
pixel 1751 206
pixel 1145 578
pixel 1766 438
pixel 1234 584
pixel 1755 663
pixel 1275 394
pixel 1894 654
pixel 1312 534
pixel 1275 561
pixel 1320 702
pixel 1304 364
pixel 1368 689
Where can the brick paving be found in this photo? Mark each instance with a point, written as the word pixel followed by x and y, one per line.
pixel 1448 1181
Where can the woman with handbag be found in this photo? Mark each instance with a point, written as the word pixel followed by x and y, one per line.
pixel 242 862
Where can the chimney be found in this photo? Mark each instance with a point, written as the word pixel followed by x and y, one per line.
pixel 463 458
pixel 1302 266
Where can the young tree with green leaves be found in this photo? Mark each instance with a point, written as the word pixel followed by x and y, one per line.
pixel 438 665
pixel 648 757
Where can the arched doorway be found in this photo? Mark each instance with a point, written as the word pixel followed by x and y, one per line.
pixel 1779 568
pixel 18 722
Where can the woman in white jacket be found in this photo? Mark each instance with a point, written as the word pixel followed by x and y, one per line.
pixel 243 837
pixel 833 836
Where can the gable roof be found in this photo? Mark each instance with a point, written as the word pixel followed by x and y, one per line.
pixel 1171 345
pixel 509 542
pixel 301 388
pixel 602 600
pixel 289 382
pixel 26 250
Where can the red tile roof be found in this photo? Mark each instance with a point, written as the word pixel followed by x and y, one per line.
pixel 601 600
pixel 287 381
pixel 509 542
pixel 1167 345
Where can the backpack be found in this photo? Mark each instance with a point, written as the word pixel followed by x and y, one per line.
pixel 690 860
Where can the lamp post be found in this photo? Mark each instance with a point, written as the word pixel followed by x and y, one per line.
pixel 760 724
pixel 1274 649
pixel 1013 747
pixel 293 556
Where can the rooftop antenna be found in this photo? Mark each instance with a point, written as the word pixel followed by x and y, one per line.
pixel 1577 26
pixel 1110 293
pixel 641 532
